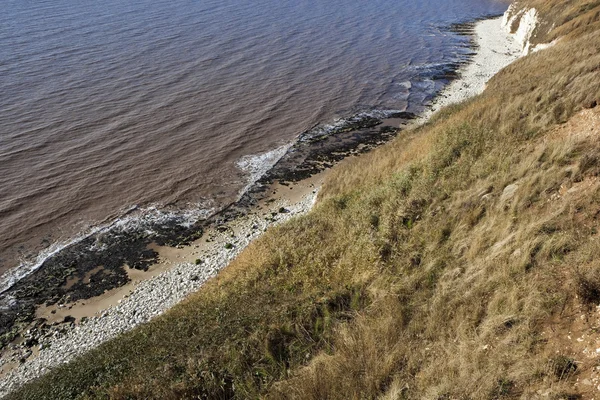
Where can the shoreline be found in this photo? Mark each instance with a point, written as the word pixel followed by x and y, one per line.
pixel 496 48
pixel 175 276
pixel 176 273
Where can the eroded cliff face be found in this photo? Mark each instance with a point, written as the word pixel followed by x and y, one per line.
pixel 524 22
pixel 539 24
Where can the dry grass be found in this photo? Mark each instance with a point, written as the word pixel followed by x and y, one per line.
pixel 464 321
pixel 429 270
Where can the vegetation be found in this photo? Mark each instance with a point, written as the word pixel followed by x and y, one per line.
pixel 432 267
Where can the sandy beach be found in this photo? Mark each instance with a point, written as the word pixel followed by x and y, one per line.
pixel 182 270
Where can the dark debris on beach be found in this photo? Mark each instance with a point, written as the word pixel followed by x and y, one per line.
pixel 87 269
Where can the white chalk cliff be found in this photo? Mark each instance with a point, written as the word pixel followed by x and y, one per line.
pixel 523 24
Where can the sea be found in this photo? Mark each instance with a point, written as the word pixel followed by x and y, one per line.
pixel 114 113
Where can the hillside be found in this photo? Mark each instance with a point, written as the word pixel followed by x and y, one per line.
pixel 460 261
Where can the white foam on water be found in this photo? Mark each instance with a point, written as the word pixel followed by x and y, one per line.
pixel 135 218
pixel 426 86
pixel 256 165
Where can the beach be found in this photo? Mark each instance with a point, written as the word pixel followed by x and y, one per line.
pixel 72 328
pixel 496 48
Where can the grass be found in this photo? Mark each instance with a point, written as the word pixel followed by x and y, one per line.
pixel 428 270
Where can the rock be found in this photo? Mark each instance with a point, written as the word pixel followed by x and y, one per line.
pixel 25 356
pixel 508 193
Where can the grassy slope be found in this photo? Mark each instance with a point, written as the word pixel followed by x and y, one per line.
pixel 418 275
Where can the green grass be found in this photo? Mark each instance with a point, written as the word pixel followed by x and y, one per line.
pixel 416 276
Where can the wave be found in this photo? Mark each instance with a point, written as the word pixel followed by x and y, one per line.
pixel 257 165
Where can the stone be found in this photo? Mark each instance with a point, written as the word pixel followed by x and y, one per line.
pixel 509 192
